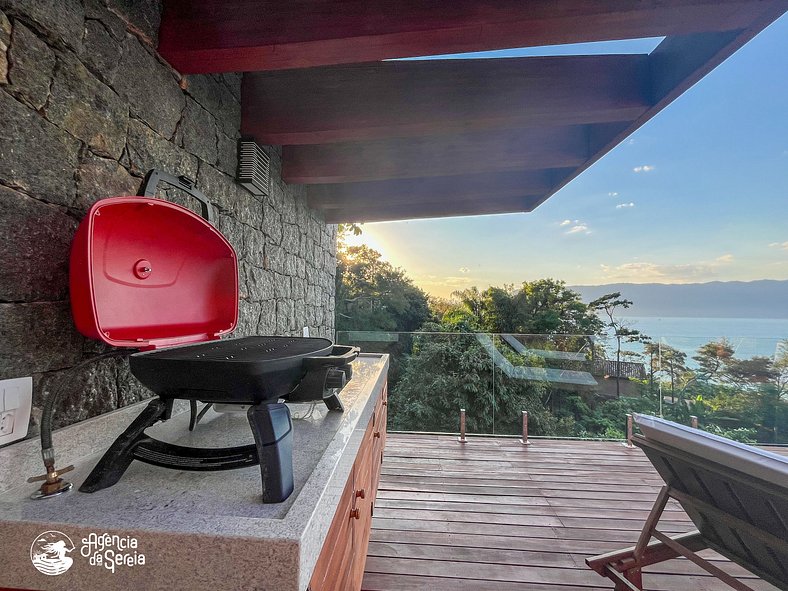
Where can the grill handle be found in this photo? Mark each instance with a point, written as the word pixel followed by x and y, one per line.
pixel 340 355
pixel 321 381
pixel 185 184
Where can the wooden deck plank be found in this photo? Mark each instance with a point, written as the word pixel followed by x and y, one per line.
pixel 534 544
pixel 473 554
pixel 545 575
pixel 389 582
pixel 673 514
pixel 522 480
pixel 493 515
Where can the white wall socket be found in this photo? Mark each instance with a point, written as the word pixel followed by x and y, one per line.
pixel 16 400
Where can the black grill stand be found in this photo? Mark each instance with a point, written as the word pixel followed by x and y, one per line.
pixel 272 451
pixel 271 426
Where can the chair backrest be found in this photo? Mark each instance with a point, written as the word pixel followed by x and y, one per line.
pixel 736 495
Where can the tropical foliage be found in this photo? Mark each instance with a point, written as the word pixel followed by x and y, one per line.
pixel 443 366
pixel 545 306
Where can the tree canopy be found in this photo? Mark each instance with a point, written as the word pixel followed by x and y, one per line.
pixel 371 294
pixel 544 306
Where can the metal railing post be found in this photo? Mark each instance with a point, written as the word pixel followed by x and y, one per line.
pixel 693 421
pixel 461 438
pixel 524 440
pixel 629 431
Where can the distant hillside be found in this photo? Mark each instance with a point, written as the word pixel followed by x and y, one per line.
pixel 718 299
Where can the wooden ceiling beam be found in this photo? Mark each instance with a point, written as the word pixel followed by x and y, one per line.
pixel 474 152
pixel 676 65
pixel 462 187
pixel 410 98
pixel 213 36
pixel 435 209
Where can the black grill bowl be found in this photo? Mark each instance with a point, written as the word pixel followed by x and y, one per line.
pixel 246 370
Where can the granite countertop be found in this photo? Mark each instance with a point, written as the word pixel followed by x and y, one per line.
pixel 196 529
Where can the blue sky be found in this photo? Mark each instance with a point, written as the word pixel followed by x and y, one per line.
pixel 699 193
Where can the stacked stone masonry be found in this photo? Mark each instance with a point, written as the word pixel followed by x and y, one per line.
pixel 86 108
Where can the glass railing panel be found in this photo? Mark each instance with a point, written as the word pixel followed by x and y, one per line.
pixel 581 386
pixel 736 387
pixel 432 376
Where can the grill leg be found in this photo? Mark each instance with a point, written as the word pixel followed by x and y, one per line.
pixel 273 435
pixel 121 453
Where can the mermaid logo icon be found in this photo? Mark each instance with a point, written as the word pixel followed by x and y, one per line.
pixel 48 553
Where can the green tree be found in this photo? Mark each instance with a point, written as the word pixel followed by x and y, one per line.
pixel 743 394
pixel 449 371
pixel 371 294
pixel 545 306
pixel 609 304
pixel 667 360
pixel 712 358
pixel 781 367
pixel 469 312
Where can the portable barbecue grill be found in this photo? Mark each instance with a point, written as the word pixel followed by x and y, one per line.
pixel 151 275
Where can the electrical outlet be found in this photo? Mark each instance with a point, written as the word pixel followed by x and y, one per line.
pixel 7 422
pixel 16 399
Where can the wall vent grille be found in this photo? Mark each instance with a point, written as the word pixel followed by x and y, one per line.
pixel 253 167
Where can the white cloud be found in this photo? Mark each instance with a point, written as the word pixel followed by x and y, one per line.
pixel 464 270
pixel 612 194
pixel 577 229
pixel 623 205
pixel 451 282
pixel 782 245
pixel 644 168
pixel 457 281
pixel 646 272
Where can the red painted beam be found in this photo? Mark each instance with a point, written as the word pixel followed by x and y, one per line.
pixel 461 187
pixel 486 151
pixel 211 36
pixel 396 99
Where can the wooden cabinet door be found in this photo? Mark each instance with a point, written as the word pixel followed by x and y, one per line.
pixel 340 566
pixel 335 562
pixel 364 496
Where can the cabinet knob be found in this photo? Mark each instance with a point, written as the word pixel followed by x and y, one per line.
pixel 360 494
pixel 377 434
pixel 355 513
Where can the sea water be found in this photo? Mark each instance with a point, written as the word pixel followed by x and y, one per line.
pixel 748 336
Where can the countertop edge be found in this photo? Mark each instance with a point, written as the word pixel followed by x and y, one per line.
pixel 318 525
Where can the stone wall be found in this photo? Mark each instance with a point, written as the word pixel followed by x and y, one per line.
pixel 86 108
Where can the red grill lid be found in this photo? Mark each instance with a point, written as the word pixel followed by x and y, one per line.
pixel 147 273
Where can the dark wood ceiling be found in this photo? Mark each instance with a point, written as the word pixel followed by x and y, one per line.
pixel 377 140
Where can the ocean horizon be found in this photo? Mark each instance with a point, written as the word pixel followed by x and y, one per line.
pixel 748 336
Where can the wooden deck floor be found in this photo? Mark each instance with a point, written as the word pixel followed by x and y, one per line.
pixel 491 515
